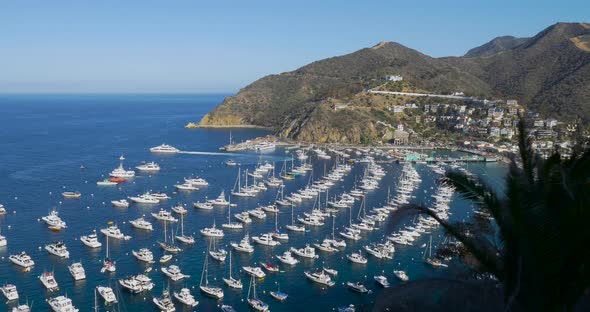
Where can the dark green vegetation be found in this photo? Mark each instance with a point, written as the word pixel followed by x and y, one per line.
pixel 549 73
pixel 539 252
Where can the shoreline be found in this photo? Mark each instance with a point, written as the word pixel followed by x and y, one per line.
pixel 227 127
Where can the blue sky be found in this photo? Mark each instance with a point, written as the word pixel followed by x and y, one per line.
pixel 220 46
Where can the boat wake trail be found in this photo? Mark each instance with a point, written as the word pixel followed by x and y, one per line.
pixel 209 153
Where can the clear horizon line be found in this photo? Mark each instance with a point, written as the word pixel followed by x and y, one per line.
pixel 113 92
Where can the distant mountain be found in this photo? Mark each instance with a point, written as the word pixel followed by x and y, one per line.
pixel 549 72
pixel 498 44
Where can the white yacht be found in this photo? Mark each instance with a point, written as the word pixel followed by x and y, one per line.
pixel 114 232
pixel 59 249
pixel 196 181
pixel 9 291
pixel 164 215
pixel 287 258
pixel 320 277
pixel 203 205
pixel 257 213
pixel 179 209
pixel 142 224
pixel 61 304
pixel 173 272
pixel 243 217
pixel 2 210
pixel 137 284
pixel 186 298
pixel 144 255
pixel 146 198
pixel 120 172
pixel 150 167
pixel 54 220
pixel 212 231
pixel 91 240
pixel 244 245
pixel 220 200
pixel 265 239
pixel 159 196
pixel 22 260
pixel 21 308
pixel 381 280
pixel 77 271
pixel 49 281
pixel 164 149
pixel 356 258
pixel 3 241
pixel 107 294
pixel 254 271
pixel 186 187
pixel 122 203
pixel 106 182
pixel 402 275
pixel 305 252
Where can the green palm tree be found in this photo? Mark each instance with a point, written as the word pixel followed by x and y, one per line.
pixel 542 224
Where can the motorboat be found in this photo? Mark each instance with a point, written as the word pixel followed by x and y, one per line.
pixel 179 209
pixel 243 217
pixel 305 252
pixel 279 295
pixel 150 167
pixel 91 240
pixel 3 241
pixel 106 182
pixel 173 272
pixel 21 308
pixel 120 172
pixel 356 258
pixel 254 271
pixel 402 275
pixel 77 271
pixel 142 224
pixel 257 213
pixel 330 271
pixel 231 163
pixel 212 231
pixel 287 258
pixel 358 287
pixel 114 232
pixel 137 284
pixel 165 258
pixel 146 198
pixel 269 266
pixel 53 219
pixel 185 297
pixel 186 187
pixel 320 277
pixel 48 280
pixel 9 291
pixel 61 304
pixel 197 181
pixel 144 255
pixel 219 254
pixel 203 205
pixel 244 245
pixel 22 259
pixel 326 246
pixel 107 294
pixel 71 194
pixel 58 249
pixel 220 200
pixel 381 280
pixel 265 239
pixel 164 149
pixel 121 203
pixel 160 196
pixel 164 215
pixel 116 180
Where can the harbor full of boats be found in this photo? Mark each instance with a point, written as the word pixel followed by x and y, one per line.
pixel 266 230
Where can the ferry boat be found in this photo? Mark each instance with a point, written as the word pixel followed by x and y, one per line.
pixel 48 281
pixel 142 224
pixel 91 240
pixel 186 298
pixel 22 260
pixel 9 291
pixel 287 258
pixel 71 194
pixel 122 203
pixel 164 149
pixel 320 277
pixel 164 303
pixel 107 294
pixel 58 249
pixel 144 255
pixel 61 304
pixel 77 271
pixel 150 167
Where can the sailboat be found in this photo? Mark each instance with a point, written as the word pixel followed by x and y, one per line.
pixel 278 294
pixel 169 247
pixel 230 281
pixel 212 291
pixel 238 190
pixel 280 199
pixel 274 181
pixel 229 224
pixel 254 302
pixel 278 234
pixel 435 262
pixel 334 241
pixel 284 174
pixel 108 264
pixel 217 254
pixel 294 227
pixel 187 239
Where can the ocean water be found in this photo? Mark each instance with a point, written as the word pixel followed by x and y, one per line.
pixel 44 139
